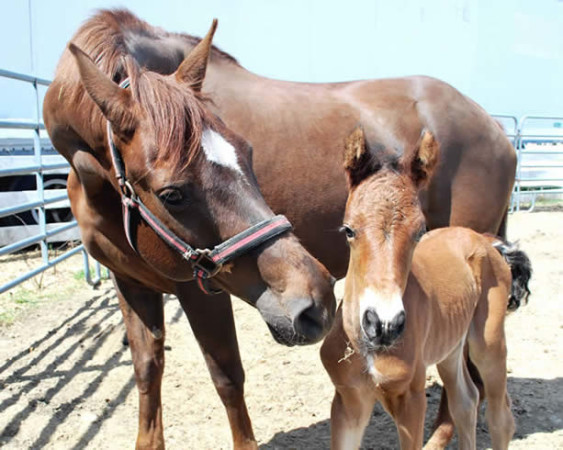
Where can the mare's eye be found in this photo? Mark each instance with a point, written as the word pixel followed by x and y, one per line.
pixel 420 233
pixel 350 233
pixel 171 196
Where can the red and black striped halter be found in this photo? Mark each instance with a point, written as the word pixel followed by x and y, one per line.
pixel 206 263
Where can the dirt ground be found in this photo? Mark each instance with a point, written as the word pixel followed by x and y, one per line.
pixel 66 378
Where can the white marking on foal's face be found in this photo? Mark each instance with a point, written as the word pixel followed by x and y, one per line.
pixel 386 306
pixel 219 151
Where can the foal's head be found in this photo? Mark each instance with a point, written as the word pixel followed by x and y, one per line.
pixel 383 222
pixel 196 177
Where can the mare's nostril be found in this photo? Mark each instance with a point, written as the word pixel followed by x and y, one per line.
pixel 309 324
pixel 371 324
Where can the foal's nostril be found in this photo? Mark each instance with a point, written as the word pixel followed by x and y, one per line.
pixel 371 324
pixel 309 324
pixel 379 333
pixel 397 325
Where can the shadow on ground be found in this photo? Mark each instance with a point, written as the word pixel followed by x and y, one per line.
pixel 538 399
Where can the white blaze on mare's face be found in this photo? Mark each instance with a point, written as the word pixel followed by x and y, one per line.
pixel 386 306
pixel 219 151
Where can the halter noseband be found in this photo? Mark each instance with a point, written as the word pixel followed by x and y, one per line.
pixel 206 263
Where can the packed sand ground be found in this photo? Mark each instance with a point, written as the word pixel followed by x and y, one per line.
pixel 66 379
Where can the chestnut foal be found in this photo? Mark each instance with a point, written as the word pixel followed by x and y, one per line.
pixel 407 306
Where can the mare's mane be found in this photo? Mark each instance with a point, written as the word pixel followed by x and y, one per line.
pixel 176 114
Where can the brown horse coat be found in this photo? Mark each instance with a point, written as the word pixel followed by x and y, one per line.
pixel 194 177
pixel 412 300
pixel 297 131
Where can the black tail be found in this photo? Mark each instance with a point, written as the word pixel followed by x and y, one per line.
pixel 521 269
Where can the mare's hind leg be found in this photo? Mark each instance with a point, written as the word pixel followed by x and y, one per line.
pixel 212 322
pixel 143 315
pixel 463 396
pixel 487 348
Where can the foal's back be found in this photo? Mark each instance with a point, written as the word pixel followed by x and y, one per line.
pixel 452 271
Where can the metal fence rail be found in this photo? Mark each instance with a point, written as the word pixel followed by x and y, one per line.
pixel 538 141
pixel 40 198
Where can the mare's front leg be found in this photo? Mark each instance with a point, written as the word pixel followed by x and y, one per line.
pixel 212 322
pixel 143 315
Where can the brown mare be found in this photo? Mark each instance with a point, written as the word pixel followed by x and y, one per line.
pixel 186 183
pixel 407 306
pixel 297 131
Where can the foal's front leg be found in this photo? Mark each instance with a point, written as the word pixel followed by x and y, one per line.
pixel 212 322
pixel 354 398
pixel 143 315
pixel 408 410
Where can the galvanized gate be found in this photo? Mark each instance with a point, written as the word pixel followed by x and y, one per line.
pixel 538 141
pixel 35 199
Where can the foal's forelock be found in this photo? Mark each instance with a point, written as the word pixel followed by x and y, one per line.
pixel 388 201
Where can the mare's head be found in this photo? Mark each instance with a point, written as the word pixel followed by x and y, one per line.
pixel 383 222
pixel 196 177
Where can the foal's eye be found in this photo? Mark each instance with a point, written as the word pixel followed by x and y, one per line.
pixel 171 196
pixel 350 233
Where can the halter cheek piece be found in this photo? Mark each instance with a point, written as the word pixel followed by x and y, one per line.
pixel 206 263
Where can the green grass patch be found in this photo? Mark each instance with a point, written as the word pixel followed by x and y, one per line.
pixel 21 301
pixel 24 296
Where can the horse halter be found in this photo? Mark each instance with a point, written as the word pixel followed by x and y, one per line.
pixel 206 263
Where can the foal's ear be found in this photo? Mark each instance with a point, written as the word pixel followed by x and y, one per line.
pixel 115 103
pixel 356 157
pixel 422 163
pixel 192 70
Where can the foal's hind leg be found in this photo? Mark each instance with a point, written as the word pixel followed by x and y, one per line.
pixel 487 348
pixel 212 322
pixel 463 396
pixel 144 320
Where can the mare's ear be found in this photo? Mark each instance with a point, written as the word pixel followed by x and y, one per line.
pixel 357 159
pixel 116 103
pixel 192 70
pixel 422 162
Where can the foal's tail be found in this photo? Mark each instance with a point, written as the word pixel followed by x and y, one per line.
pixel 521 269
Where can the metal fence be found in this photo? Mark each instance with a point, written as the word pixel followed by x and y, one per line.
pixel 538 141
pixel 37 201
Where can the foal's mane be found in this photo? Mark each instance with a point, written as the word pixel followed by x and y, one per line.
pixel 176 112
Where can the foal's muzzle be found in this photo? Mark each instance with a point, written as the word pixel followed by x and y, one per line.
pixel 378 333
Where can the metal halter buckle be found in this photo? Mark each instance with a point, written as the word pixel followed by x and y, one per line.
pixel 126 189
pixel 205 264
